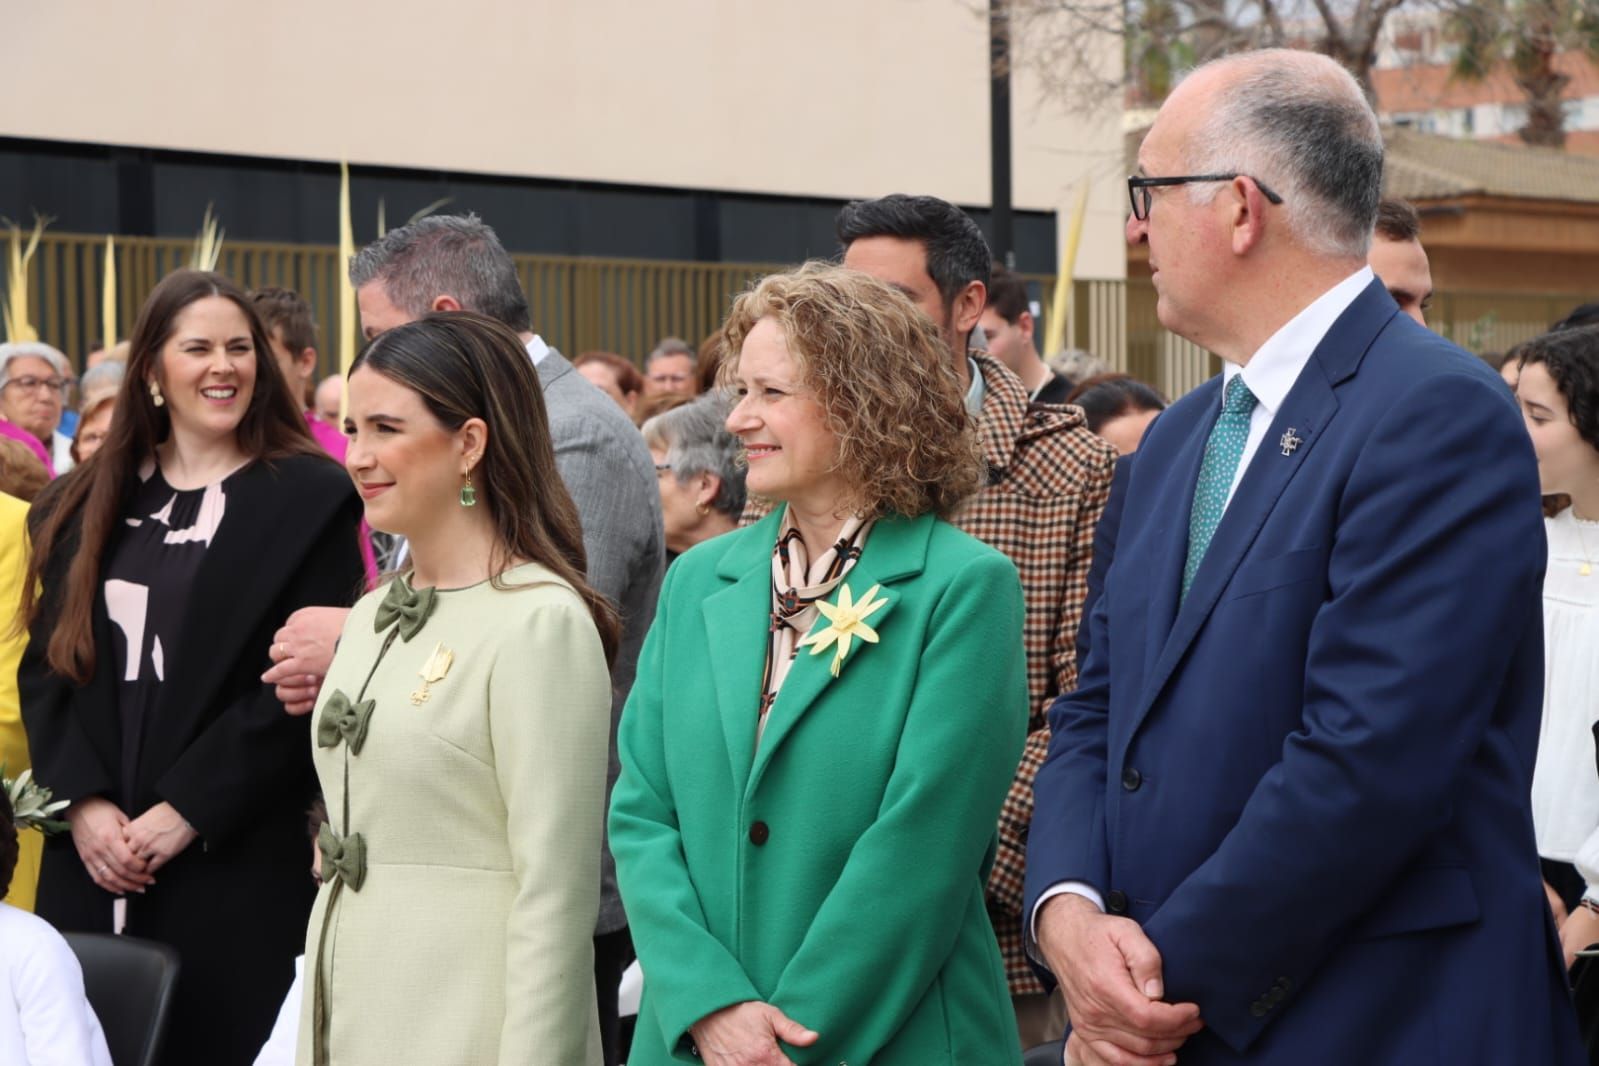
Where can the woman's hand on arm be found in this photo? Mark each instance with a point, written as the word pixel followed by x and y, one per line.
pixel 158 835
pixel 747 1034
pixel 98 834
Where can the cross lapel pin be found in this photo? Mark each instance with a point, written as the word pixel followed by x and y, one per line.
pixel 1289 441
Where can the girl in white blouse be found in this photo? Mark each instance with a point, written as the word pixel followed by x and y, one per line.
pixel 1558 390
pixel 45 1018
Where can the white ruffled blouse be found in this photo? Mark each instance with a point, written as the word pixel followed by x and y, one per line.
pixel 1565 782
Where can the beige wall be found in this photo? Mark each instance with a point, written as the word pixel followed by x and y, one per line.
pixel 835 98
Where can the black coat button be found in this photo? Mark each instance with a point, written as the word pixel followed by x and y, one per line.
pixel 1116 902
pixel 1131 779
pixel 1257 1009
pixel 759 833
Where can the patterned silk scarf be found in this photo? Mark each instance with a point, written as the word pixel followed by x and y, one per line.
pixel 797 583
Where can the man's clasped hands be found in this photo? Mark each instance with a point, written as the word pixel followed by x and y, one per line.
pixel 1110 975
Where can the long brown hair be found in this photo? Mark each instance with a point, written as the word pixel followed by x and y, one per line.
pixel 463 366
pixel 92 497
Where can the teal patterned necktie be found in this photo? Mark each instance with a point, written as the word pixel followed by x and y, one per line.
pixel 1222 452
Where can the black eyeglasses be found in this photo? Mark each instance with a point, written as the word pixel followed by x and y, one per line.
pixel 1138 189
pixel 31 384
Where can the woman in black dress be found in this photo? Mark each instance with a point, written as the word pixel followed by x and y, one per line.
pixel 163 566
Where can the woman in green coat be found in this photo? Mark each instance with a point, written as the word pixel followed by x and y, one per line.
pixel 828 712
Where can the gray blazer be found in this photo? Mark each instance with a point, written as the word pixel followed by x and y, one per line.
pixel 609 472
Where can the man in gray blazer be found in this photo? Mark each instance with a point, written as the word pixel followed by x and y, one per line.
pixel 456 263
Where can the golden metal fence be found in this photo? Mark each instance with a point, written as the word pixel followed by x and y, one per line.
pixel 578 304
pixel 626 305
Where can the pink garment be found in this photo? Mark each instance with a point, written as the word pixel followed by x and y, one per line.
pixel 337 445
pixel 15 432
pixel 333 442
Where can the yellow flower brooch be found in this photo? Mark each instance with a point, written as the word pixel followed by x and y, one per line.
pixel 846 621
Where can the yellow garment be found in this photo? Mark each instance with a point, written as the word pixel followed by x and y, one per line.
pixel 13 741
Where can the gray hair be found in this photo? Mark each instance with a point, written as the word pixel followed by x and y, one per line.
pixel 696 441
pixel 1077 365
pixel 1300 123
pixel 33 349
pixel 107 377
pixel 672 346
pixel 445 255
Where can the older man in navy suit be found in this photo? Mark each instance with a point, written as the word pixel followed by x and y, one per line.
pixel 1285 816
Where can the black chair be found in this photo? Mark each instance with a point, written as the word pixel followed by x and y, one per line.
pixel 1049 1054
pixel 129 983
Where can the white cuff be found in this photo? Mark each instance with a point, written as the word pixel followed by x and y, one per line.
pixel 1076 888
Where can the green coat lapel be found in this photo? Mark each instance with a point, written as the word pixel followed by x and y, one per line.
pixel 739 639
pixel 895 549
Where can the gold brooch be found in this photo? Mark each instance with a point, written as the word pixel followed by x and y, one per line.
pixel 433 671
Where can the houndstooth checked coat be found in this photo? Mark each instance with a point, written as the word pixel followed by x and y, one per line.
pixel 1048 480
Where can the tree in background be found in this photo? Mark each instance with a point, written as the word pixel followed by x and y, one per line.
pixel 1525 36
pixel 1062 39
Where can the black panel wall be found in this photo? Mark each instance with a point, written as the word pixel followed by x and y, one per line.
pixel 103 189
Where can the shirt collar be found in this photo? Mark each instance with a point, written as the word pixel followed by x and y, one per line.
pixel 976 390
pixel 537 349
pixel 1275 366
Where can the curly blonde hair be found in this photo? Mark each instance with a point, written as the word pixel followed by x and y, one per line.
pixel 881 374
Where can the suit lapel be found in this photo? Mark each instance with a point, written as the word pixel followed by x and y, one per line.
pixel 895 549
pixel 551 369
pixel 1304 415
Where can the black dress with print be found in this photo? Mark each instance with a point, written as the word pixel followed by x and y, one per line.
pixel 148 582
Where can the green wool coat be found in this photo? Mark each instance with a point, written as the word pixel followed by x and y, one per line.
pixel 837 871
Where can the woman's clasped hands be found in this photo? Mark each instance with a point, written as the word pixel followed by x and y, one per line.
pixel 123 854
pixel 747 1034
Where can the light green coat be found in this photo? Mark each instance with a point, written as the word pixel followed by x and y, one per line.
pixel 873 795
pixel 470 941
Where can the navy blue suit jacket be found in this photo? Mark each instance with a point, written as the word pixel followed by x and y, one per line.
pixel 1309 780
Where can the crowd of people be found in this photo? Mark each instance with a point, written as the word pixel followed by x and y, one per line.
pixel 877 688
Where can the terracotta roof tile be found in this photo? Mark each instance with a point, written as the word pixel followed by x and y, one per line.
pixel 1430 87
pixel 1422 166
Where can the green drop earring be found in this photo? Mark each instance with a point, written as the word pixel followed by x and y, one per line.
pixel 468 493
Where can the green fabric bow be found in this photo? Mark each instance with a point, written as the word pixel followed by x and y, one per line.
pixel 407 606
pixel 343 719
pixel 345 859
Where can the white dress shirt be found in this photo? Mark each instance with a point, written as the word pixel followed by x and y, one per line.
pixel 537 349
pixel 976 390
pixel 45 1018
pixel 1270 375
pixel 61 452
